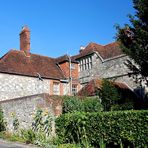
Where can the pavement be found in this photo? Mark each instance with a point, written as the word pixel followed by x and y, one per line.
pixel 8 144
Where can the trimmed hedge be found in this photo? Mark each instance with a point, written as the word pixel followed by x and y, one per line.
pixel 126 128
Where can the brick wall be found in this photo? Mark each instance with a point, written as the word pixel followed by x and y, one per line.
pixel 65 67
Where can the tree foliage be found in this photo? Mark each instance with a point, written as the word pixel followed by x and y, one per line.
pixel 108 94
pixel 134 41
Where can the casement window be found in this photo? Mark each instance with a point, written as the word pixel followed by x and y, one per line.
pixel 73 66
pixel 56 88
pixel 74 89
pixel 85 63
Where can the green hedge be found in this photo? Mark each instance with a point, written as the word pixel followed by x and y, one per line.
pixel 74 104
pixel 128 128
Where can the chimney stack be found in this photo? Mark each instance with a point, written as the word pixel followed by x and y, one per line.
pixel 25 40
pixel 81 49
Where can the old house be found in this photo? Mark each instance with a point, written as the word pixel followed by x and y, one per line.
pixel 98 61
pixel 69 68
pixel 23 73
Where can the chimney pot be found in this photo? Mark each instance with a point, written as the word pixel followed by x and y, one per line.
pixel 81 48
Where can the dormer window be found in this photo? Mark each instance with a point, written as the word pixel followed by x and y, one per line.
pixel 85 63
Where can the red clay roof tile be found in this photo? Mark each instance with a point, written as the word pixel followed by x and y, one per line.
pixel 96 84
pixel 16 62
pixel 107 51
pixel 64 58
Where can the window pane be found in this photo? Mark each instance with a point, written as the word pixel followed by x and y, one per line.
pixel 56 88
pixel 74 89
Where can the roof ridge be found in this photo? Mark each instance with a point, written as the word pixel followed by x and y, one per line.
pixel 42 55
pixel 114 42
pixel 61 56
pixel 7 53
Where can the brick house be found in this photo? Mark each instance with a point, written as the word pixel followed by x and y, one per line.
pixel 23 73
pixel 69 68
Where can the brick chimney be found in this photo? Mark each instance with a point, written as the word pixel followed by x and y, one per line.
pixel 25 40
pixel 81 49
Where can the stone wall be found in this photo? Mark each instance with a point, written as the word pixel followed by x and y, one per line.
pixel 24 109
pixel 14 86
pixel 107 69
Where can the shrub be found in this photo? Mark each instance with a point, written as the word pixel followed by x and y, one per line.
pixel 92 105
pixel 126 128
pixel 108 94
pixel 71 104
pixel 28 135
pixel 69 146
pixel 125 106
pixel 2 123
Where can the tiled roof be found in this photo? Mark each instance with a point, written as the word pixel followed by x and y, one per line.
pixel 96 84
pixel 107 51
pixel 16 62
pixel 64 58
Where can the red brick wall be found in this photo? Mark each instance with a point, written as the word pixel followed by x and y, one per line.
pixel 66 70
pixel 74 72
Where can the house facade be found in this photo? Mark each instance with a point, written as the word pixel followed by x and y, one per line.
pixel 98 61
pixel 23 73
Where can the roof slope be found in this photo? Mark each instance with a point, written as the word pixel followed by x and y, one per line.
pixel 16 62
pixel 65 58
pixel 91 88
pixel 107 51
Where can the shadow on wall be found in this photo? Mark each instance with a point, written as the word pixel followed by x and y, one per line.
pixel 142 101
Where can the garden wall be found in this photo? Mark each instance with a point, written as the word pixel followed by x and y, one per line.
pixel 23 109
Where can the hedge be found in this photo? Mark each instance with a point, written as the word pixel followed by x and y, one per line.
pixel 128 128
pixel 74 104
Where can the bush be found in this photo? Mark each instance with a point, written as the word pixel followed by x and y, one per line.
pixel 69 146
pixel 74 104
pixel 91 105
pixel 125 106
pixel 108 94
pixel 2 123
pixel 28 136
pixel 126 128
pixel 71 104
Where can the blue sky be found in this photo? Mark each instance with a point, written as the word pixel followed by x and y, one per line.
pixel 61 26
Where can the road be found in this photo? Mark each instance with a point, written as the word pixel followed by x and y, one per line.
pixel 7 144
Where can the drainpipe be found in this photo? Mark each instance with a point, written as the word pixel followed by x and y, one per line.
pixel 70 77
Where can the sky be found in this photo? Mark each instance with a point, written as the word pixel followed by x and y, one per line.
pixel 60 27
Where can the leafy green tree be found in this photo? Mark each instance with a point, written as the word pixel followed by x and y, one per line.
pixel 134 41
pixel 108 94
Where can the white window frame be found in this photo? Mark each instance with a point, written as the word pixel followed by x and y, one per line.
pixel 74 89
pixel 56 88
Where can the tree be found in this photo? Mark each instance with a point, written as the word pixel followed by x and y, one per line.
pixel 108 94
pixel 134 41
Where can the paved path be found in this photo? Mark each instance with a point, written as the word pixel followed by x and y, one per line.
pixel 7 144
